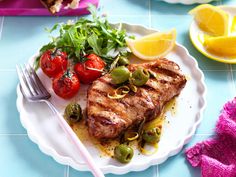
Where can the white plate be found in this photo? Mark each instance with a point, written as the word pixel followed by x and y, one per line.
pixel 187 2
pixel 197 36
pixel 44 130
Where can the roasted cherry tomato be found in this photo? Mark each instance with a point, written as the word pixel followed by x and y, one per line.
pixel 66 84
pixel 53 62
pixel 90 70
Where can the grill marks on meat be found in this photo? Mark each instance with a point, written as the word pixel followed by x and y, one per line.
pixel 108 118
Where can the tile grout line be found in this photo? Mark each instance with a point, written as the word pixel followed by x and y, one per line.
pixel 203 134
pixel 65 171
pixel 149 14
pixel 7 70
pixel 233 87
pixel 13 134
pixel 157 171
pixel 1 28
pixel 68 171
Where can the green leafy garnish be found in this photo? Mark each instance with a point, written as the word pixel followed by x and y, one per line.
pixel 88 36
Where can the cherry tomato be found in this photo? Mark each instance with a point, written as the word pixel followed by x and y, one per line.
pixel 66 84
pixel 90 70
pixel 53 62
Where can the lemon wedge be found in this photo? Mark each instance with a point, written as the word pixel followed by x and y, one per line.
pixel 211 19
pixel 153 46
pixel 233 27
pixel 223 45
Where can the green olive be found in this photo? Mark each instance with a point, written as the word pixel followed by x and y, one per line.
pixel 123 61
pixel 123 153
pixel 152 135
pixel 120 75
pixel 73 112
pixel 139 77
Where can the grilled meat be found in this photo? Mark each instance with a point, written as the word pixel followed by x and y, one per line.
pixel 108 118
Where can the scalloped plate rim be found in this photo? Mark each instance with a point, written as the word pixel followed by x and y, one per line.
pixel 126 168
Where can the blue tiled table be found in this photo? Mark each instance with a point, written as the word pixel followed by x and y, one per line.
pixel 20 38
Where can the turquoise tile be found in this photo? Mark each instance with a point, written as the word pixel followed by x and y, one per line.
pixel 22 37
pixel 233 67
pixel 234 78
pixel 1 26
pixel 159 7
pixel 177 166
pixel 125 7
pixel 142 20
pixel 227 2
pixel 9 117
pixel 150 172
pixel 220 90
pixel 162 8
pixel 20 157
pixel 167 22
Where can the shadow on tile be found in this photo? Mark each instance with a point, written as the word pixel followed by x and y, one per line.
pixel 25 158
pixel 9 117
pixel 194 171
pixel 12 119
pixel 150 172
pixel 17 150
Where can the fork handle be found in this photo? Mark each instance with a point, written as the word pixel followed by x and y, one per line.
pixel 79 145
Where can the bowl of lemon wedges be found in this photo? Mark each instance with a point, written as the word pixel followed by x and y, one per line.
pixel 213 32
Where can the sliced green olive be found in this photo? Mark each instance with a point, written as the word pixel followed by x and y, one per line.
pixel 123 153
pixel 152 135
pixel 120 75
pixel 73 112
pixel 139 77
pixel 123 61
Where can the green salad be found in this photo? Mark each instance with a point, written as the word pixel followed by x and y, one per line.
pixel 89 36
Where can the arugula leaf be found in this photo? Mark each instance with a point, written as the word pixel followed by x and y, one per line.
pixel 95 43
pixel 88 36
pixel 92 9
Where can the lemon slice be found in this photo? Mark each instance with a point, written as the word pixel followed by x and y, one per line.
pixel 153 46
pixel 233 27
pixel 211 19
pixel 223 45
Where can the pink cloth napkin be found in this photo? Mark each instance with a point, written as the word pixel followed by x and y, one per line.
pixel 217 156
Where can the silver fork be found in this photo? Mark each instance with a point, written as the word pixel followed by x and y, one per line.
pixel 34 91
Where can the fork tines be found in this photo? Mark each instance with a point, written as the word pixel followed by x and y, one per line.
pixel 30 84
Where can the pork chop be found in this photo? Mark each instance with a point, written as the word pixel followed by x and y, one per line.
pixel 107 118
